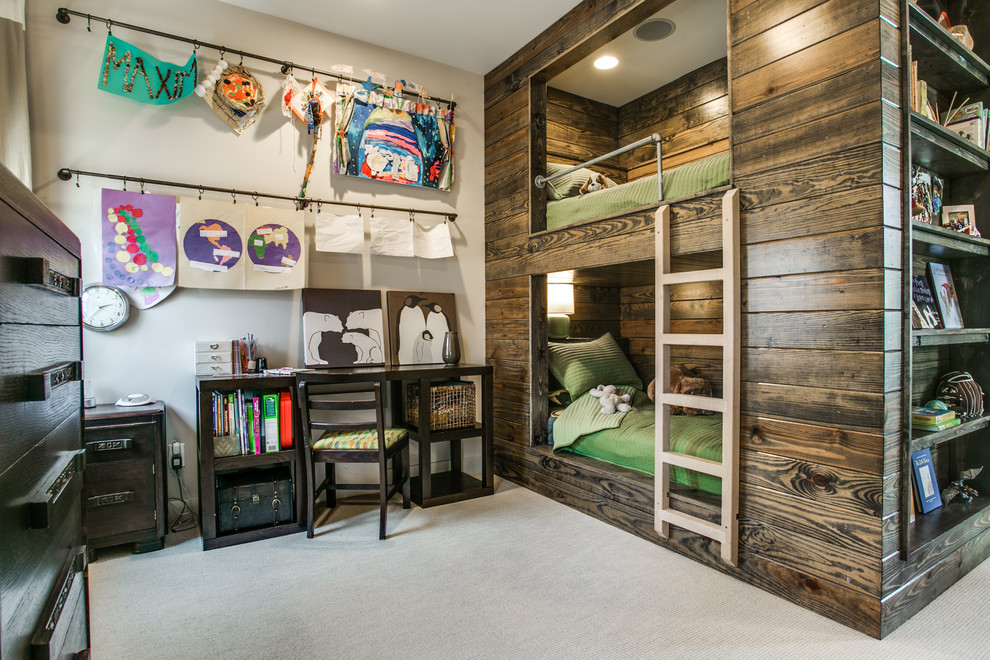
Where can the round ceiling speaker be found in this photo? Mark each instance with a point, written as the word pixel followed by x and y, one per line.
pixel 654 29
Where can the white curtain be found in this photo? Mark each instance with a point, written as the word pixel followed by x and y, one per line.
pixel 15 137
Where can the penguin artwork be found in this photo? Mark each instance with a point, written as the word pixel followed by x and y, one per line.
pixel 411 325
pixel 423 348
pixel 438 325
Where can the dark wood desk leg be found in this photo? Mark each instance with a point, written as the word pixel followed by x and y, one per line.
pixel 425 449
pixel 398 416
pixel 488 435
pixel 456 454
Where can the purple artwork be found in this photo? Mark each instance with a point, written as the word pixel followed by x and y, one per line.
pixel 212 245
pixel 138 239
pixel 274 248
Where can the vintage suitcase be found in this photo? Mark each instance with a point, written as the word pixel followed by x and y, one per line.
pixel 254 498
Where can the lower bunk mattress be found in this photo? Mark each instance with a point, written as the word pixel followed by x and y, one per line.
pixel 629 439
pixel 688 179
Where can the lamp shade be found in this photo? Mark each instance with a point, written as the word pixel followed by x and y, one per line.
pixel 560 298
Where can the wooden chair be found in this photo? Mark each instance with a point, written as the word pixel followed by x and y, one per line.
pixel 329 403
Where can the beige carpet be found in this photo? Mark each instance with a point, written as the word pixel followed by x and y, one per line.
pixel 514 575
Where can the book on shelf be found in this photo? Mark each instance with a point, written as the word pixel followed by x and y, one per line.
pixel 924 307
pixel 931 416
pixel 257 421
pixel 941 426
pixel 944 290
pixel 926 485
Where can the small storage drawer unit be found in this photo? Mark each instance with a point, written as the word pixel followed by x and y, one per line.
pixel 126 487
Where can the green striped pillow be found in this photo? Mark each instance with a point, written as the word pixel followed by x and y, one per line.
pixel 580 366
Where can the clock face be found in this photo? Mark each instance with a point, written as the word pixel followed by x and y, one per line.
pixel 104 307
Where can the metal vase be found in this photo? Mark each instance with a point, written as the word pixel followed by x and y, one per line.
pixel 451 348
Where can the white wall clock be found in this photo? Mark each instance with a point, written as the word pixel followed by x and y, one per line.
pixel 104 307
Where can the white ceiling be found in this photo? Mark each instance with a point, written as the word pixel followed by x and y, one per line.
pixel 478 35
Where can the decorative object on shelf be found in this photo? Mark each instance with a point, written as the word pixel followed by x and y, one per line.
pixel 237 97
pixel 104 307
pixel 560 303
pixel 926 195
pixel 451 348
pixel 924 308
pixel 138 239
pixel 944 290
pixel 386 138
pixel 962 35
pixel 418 323
pixel 925 482
pixel 130 72
pixel 342 327
pixel 212 79
pixel 253 499
pixel 452 405
pixel 957 491
pixel 961 393
pixel 961 218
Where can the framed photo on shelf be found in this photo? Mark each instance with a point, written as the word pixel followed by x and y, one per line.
pixel 925 483
pixel 958 217
pixel 924 308
pixel 944 290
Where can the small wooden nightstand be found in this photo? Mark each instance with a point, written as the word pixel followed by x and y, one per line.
pixel 126 489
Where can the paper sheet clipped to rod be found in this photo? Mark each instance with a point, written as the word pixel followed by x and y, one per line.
pixel 432 242
pixel 339 233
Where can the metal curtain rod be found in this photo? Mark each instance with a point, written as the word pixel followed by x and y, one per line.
pixel 541 181
pixel 63 14
pixel 66 173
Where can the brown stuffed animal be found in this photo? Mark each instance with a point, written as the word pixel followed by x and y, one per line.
pixel 683 381
pixel 597 182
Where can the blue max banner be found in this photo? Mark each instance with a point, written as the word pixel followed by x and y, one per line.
pixel 130 72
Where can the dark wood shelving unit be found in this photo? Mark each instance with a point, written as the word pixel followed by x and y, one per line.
pixel 936 148
pixel 210 466
pixel 941 337
pixel 921 439
pixel 948 61
pixel 948 525
pixel 945 243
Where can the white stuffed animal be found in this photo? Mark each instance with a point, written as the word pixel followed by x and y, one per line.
pixel 611 400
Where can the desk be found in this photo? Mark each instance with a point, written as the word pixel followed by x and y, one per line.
pixel 454 485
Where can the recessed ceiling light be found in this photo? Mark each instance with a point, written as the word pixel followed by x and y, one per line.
pixel 654 29
pixel 606 62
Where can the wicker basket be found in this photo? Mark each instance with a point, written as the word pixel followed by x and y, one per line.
pixel 452 405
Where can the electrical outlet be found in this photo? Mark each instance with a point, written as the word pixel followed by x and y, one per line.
pixel 178 455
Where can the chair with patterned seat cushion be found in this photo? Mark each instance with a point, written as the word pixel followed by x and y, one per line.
pixel 343 413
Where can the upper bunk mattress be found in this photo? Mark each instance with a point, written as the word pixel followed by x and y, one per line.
pixel 698 176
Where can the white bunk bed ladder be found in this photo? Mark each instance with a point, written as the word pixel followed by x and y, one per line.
pixel 727 532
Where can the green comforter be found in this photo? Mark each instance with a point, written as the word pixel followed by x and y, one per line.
pixel 700 175
pixel 629 439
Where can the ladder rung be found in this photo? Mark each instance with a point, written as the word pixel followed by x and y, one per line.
pixel 692 524
pixel 694 340
pixel 691 401
pixel 691 276
pixel 714 468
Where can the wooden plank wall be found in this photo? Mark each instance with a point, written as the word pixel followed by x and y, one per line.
pixel 579 129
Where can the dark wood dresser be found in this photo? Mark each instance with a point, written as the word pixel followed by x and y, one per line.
pixel 125 477
pixel 44 602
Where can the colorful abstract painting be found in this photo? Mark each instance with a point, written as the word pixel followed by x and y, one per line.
pixel 417 323
pixel 391 139
pixel 342 327
pixel 138 239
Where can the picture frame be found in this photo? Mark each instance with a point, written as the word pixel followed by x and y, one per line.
pixel 944 290
pixel 342 328
pixel 959 216
pixel 417 324
pixel 925 481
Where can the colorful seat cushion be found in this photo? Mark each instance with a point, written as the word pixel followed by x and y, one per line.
pixel 366 439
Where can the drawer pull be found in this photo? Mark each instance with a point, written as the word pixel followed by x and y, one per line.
pixel 40 385
pixel 111 498
pixel 116 444
pixel 42 508
pixel 44 633
pixel 38 271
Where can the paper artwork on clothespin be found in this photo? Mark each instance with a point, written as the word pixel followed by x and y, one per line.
pixel 432 242
pixel 148 296
pixel 339 233
pixel 300 100
pixel 343 69
pixel 138 239
pixel 212 247
pixel 130 72
pixel 413 87
pixel 275 251
pixel 392 236
pixel 237 98
pixel 290 89
pixel 375 76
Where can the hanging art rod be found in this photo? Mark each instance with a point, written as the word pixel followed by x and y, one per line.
pixel 64 15
pixel 66 174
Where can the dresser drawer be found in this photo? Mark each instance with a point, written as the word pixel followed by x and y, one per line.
pixel 39 280
pixel 120 500
pixel 121 442
pixel 62 630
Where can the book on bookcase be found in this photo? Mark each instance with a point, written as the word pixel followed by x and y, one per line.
pixel 925 483
pixel 944 290
pixel 924 308
pixel 247 422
